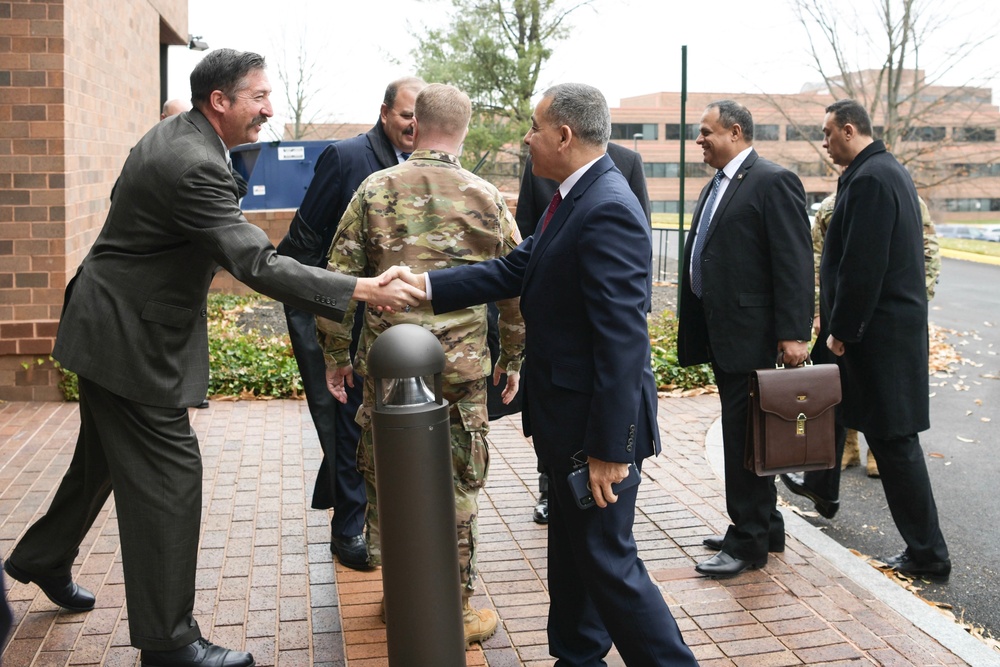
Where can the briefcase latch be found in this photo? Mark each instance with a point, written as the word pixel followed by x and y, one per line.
pixel 800 424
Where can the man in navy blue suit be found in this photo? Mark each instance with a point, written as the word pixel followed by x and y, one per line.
pixel 590 395
pixel 339 171
pixel 532 200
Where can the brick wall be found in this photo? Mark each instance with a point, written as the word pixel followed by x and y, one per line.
pixel 79 85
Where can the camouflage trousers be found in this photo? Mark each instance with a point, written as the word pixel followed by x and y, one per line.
pixel 470 458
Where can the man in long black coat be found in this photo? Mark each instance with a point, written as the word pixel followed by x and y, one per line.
pixel 873 303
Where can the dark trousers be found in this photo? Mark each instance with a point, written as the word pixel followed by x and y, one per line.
pixel 907 486
pixel 750 500
pixel 827 482
pixel 338 483
pixel 149 458
pixel 599 589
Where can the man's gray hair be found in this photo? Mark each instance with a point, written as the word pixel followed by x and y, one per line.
pixel 583 108
pixel 733 113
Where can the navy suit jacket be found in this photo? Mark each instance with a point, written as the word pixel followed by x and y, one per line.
pixel 757 272
pixel 585 289
pixel 339 171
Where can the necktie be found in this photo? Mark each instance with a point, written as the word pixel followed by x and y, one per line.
pixel 405 156
pixel 551 210
pixel 699 243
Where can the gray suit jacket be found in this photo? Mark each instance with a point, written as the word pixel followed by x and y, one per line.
pixel 134 317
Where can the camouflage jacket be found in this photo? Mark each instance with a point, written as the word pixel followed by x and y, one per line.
pixel 426 213
pixel 932 251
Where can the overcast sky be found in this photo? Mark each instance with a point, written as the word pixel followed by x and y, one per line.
pixel 624 47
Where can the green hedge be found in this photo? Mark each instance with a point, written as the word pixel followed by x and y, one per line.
pixel 669 375
pixel 250 365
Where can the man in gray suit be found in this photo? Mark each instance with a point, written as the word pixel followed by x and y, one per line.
pixel 134 329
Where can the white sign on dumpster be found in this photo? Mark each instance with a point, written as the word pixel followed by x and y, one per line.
pixel 291 152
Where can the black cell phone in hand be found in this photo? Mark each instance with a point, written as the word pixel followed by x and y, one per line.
pixel 579 482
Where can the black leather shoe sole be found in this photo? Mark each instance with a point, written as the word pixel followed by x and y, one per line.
pixel 827 508
pixel 62 592
pixel 715 544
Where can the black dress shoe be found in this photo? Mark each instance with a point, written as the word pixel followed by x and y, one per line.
pixel 715 544
pixel 722 565
pixel 936 571
pixel 796 484
pixel 61 590
pixel 541 513
pixel 352 552
pixel 199 653
pixel 202 405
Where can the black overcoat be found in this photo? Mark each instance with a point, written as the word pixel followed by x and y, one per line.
pixel 873 296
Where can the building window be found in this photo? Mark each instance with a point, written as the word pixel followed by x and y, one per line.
pixel 926 133
pixel 971 204
pixel 670 207
pixel 974 134
pixel 803 133
pixel 672 170
pixel 628 131
pixel 673 131
pixel 808 168
pixel 765 132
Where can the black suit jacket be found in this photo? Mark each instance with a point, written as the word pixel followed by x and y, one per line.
pixel 134 317
pixel 585 289
pixel 757 272
pixel 874 298
pixel 536 192
pixel 339 171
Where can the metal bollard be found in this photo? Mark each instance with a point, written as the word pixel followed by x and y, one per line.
pixel 416 500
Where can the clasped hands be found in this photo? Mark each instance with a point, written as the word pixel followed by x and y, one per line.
pixel 398 289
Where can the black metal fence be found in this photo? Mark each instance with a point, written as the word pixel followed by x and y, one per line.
pixel 667 248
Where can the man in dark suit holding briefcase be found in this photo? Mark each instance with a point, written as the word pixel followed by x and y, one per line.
pixel 134 329
pixel 747 299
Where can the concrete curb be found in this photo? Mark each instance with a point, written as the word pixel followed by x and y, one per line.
pixel 922 615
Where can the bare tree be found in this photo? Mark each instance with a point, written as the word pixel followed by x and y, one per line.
pixel 875 54
pixel 298 75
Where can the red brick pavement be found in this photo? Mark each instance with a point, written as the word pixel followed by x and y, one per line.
pixel 266 581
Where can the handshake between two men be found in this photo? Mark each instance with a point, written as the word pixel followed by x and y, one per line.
pixel 399 289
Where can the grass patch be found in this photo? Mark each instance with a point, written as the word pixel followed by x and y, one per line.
pixel 988 248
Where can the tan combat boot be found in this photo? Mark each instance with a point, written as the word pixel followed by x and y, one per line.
pixel 871 466
pixel 851 457
pixel 480 624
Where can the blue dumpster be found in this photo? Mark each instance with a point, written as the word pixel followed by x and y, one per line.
pixel 277 172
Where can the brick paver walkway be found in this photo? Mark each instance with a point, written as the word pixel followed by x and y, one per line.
pixel 266 580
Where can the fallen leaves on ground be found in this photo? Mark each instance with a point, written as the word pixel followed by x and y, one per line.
pixel 915 586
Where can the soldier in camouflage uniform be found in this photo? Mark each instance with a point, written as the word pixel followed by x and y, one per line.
pixel 932 266
pixel 429 213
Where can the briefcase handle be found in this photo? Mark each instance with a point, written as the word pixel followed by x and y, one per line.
pixel 779 365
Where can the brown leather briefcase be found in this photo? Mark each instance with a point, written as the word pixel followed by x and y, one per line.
pixel 791 419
